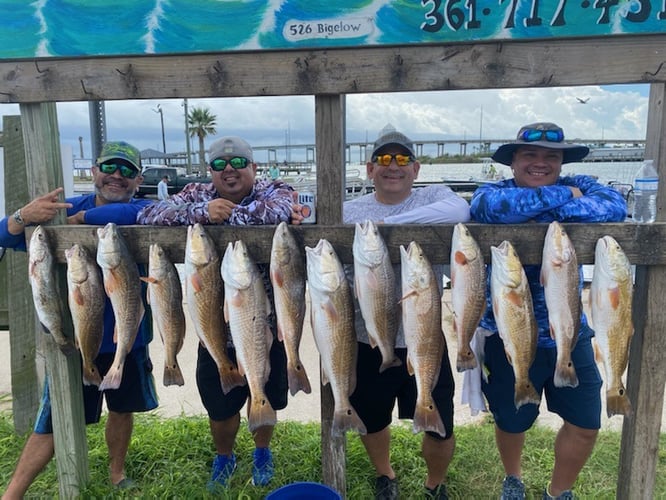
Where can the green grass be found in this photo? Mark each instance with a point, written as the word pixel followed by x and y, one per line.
pixel 171 458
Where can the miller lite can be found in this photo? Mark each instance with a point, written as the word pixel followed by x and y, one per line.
pixel 306 200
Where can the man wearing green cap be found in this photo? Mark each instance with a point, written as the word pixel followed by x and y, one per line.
pixel 116 177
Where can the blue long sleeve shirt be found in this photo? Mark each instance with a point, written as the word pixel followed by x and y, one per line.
pixel 507 203
pixel 120 213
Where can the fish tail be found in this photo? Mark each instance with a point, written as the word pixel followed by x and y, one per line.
pixel 91 375
pixel 66 345
pixel 173 374
pixel 617 403
pixel 428 419
pixel 261 413
pixel 525 393
pixel 565 375
pixel 298 378
pixel 230 377
pixel 347 420
pixel 389 362
pixel 113 377
pixel 465 359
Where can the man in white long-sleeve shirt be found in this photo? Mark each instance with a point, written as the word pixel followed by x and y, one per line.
pixel 393 169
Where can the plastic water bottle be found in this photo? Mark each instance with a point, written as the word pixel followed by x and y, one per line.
pixel 645 193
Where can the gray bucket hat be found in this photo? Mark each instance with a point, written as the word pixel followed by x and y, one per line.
pixel 544 135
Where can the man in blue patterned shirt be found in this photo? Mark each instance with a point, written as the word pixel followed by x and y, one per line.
pixel 538 193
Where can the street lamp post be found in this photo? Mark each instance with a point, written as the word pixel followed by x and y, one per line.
pixel 159 110
pixel 187 137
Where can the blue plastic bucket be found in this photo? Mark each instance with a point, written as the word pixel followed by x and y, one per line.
pixel 304 490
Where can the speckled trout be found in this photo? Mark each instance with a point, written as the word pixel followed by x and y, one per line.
pixel 514 314
pixel 86 298
pixel 560 279
pixel 468 292
pixel 246 308
pixel 421 320
pixel 332 318
pixel 123 286
pixel 287 272
pixel 165 296
pixel 205 302
pixel 374 285
pixel 611 294
pixel 45 295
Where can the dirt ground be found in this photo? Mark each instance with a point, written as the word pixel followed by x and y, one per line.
pixel 302 407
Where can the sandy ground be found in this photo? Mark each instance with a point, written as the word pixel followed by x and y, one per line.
pixel 302 407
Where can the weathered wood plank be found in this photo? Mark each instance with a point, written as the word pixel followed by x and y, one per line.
pixel 23 345
pixel 482 65
pixel 647 371
pixel 643 243
pixel 42 150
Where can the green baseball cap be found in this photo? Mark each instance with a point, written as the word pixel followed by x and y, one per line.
pixel 120 150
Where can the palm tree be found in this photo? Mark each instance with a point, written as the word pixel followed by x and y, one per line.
pixel 201 124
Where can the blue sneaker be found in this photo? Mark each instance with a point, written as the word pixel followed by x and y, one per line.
pixel 223 467
pixel 565 495
pixel 512 489
pixel 262 469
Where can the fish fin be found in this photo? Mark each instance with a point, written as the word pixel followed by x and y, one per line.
pixel 173 374
pixel 261 413
pixel 78 296
pixel 515 298
pixel 598 355
pixel 68 347
pixel 91 375
pixel 330 311
pixel 148 279
pixel 565 375
pixel 405 297
pixel 466 359
pixel 552 331
pixel 115 334
pixel 394 361
pixel 280 334
pixel 236 299
pixel 460 258
pixel 112 282
pixel 324 377
pixel 277 277
pixel 617 403
pixel 614 297
pixel 525 393
pixel 230 376
pixel 298 378
pixel 346 420
pixel 428 419
pixel 196 282
pixel 113 377
pixel 225 310
pixel 410 368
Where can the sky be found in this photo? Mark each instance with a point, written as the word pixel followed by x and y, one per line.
pixel 610 112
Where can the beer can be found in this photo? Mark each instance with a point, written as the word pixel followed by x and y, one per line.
pixel 306 200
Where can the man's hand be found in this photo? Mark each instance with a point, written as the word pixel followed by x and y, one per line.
pixel 577 193
pixel 77 218
pixel 220 210
pixel 296 215
pixel 40 210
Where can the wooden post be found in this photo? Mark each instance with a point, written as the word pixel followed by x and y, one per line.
pixel 42 150
pixel 22 343
pixel 329 130
pixel 647 370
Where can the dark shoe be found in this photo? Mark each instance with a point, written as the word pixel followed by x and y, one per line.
pixel 223 467
pixel 386 489
pixel 512 489
pixel 565 495
pixel 438 493
pixel 262 468
pixel 125 484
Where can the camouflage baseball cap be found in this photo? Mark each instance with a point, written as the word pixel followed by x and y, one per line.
pixel 120 150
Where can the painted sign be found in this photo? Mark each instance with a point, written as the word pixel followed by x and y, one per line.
pixel 72 28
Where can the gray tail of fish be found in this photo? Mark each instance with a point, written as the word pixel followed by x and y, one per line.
pixel 173 375
pixel 525 393
pixel 565 375
pixel 347 420
pixel 428 419
pixel 465 359
pixel 261 413
pixel 298 379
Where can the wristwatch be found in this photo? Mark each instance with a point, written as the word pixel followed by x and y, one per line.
pixel 18 219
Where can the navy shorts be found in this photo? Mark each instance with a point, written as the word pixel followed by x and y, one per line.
pixel 222 406
pixel 136 392
pixel 376 393
pixel 580 406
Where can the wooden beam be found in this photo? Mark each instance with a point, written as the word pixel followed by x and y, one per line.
pixel 646 375
pixel 452 66
pixel 643 243
pixel 22 328
pixel 42 149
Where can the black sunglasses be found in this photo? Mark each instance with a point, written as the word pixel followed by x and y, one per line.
pixel 126 171
pixel 236 162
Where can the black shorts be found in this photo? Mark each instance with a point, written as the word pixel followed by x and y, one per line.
pixel 376 393
pixel 136 393
pixel 222 406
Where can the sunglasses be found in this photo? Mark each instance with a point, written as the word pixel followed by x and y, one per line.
pixel 532 135
pixel 237 162
pixel 125 171
pixel 386 159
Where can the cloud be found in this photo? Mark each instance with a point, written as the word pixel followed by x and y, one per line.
pixel 612 112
